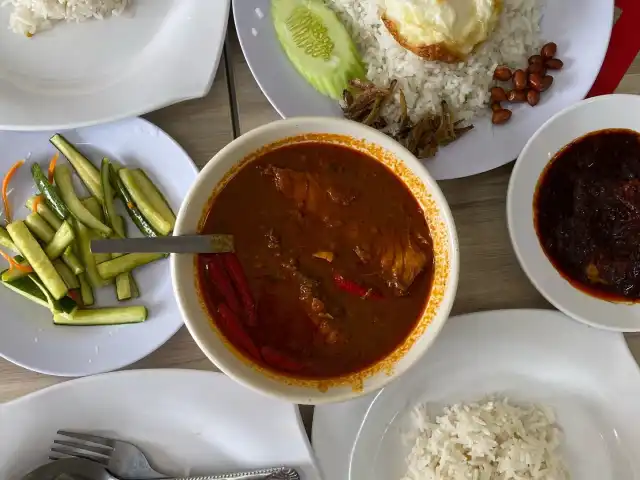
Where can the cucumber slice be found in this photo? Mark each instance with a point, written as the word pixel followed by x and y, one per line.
pixel 154 195
pixel 87 171
pixel 6 242
pixel 142 201
pixel 103 316
pixel 84 248
pixel 62 175
pixel 29 290
pixel 49 192
pixel 45 212
pixel 60 241
pixel 67 275
pixel 41 229
pixel 86 292
pixel 317 44
pixel 36 257
pixel 126 263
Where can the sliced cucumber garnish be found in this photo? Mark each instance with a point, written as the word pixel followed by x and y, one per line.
pixel 317 44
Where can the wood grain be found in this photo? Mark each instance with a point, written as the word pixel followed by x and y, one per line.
pixel 491 277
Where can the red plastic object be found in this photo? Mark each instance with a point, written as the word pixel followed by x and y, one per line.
pixel 623 49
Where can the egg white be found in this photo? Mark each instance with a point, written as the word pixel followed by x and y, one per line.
pixel 458 25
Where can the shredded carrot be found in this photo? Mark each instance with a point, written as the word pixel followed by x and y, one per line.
pixel 5 186
pixel 52 166
pixel 130 205
pixel 36 202
pixel 13 264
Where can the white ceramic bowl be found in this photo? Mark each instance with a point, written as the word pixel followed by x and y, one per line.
pixel 600 113
pixel 424 188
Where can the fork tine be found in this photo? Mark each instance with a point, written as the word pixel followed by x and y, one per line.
pixel 106 451
pixel 106 442
pixel 71 453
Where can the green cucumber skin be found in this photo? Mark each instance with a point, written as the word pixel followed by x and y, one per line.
pixel 126 263
pixel 62 175
pixel 36 257
pixel 103 316
pixel 135 214
pixel 141 200
pixel 49 193
pixel 326 58
pixel 86 170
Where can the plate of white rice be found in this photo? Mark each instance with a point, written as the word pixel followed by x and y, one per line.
pixel 508 395
pixel 581 29
pixel 70 63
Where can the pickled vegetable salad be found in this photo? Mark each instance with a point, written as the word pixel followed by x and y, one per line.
pixel 50 258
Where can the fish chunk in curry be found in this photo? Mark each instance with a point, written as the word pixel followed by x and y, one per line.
pixel 336 255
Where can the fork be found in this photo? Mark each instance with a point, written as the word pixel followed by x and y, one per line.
pixel 128 462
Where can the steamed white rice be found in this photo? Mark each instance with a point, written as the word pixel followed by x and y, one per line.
pixel 30 16
pixel 489 440
pixel 465 86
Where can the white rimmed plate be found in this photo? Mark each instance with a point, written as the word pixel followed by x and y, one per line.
pixel 29 338
pixel 486 147
pixel 188 422
pixel 609 111
pixel 588 375
pixel 160 52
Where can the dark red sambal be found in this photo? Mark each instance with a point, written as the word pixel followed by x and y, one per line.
pixel 333 264
pixel 587 214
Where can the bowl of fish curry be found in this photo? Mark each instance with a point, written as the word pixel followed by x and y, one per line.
pixel 345 263
pixel 581 174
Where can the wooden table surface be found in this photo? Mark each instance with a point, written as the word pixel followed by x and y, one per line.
pixel 490 276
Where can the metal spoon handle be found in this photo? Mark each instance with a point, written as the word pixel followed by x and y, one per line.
pixel 173 244
pixel 277 473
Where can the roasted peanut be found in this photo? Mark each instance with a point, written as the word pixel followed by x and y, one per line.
pixel 501 116
pixel 535 81
pixel 547 80
pixel 517 96
pixel 498 94
pixel 502 73
pixel 520 79
pixel 496 106
pixel 535 59
pixel 537 68
pixel 533 97
pixel 549 50
pixel 554 64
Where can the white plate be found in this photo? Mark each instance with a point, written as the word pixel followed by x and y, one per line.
pixel 29 338
pixel 189 423
pixel 609 111
pixel 166 51
pixel 587 375
pixel 484 148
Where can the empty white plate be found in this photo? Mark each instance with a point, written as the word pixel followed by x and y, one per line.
pixel 29 337
pixel 188 422
pixel 587 375
pixel 581 28
pixel 158 53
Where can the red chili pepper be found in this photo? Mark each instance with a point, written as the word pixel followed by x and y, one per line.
pixel 353 288
pixel 221 281
pixel 236 333
pixel 239 279
pixel 75 295
pixel 280 360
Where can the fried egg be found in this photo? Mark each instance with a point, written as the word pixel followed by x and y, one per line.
pixel 446 30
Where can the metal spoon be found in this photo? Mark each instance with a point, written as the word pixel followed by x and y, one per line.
pixel 78 469
pixel 173 244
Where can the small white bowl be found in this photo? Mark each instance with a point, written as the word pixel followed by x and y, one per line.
pixel 222 167
pixel 599 113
